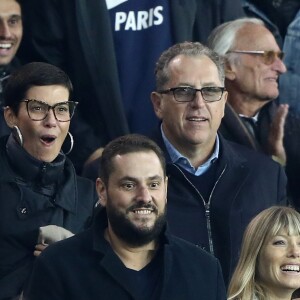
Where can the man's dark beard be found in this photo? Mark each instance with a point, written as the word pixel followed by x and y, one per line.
pixel 131 234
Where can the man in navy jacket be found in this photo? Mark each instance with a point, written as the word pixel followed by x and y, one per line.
pixel 128 254
pixel 215 187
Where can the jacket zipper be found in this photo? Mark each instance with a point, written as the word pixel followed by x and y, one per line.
pixel 206 206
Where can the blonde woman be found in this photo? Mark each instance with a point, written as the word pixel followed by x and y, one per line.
pixel 269 264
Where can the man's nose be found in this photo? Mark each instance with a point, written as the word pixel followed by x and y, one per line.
pixel 279 65
pixel 4 30
pixel 143 194
pixel 198 100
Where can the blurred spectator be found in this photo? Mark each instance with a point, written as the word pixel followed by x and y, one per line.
pixel 109 49
pixel 277 15
pixel 11 31
pixel 290 82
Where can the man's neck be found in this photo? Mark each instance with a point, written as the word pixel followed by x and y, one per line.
pixel 246 106
pixel 197 154
pixel 135 258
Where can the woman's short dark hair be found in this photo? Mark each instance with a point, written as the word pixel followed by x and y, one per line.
pixel 29 75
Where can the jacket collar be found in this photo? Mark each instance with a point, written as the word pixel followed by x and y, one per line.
pixel 237 128
pixel 30 169
pixel 232 124
pixel 109 260
pixel 67 185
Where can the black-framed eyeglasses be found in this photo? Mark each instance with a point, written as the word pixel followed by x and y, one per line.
pixel 38 110
pixel 268 56
pixel 187 94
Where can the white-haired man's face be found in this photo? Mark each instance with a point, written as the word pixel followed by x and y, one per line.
pixel 255 75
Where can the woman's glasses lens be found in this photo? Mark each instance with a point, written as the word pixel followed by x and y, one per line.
pixel 38 110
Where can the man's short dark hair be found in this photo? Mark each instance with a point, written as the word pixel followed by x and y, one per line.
pixel 29 75
pixel 192 49
pixel 127 144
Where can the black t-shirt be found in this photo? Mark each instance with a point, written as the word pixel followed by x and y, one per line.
pixel 146 283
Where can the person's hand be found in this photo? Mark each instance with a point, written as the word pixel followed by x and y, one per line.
pixel 48 235
pixel 276 134
pixel 39 248
pixel 51 233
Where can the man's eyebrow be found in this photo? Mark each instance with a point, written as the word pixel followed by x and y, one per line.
pixel 207 84
pixel 185 84
pixel 15 16
pixel 130 178
pixel 156 177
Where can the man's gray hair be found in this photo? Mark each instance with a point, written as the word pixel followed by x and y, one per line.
pixel 193 49
pixel 223 38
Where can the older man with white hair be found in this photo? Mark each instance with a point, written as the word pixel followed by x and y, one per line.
pixel 252 117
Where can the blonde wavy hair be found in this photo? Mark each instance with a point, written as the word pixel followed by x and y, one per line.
pixel 266 225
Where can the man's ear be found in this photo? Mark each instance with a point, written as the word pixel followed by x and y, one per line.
pixel 229 71
pixel 10 117
pixel 156 99
pixel 225 96
pixel 101 191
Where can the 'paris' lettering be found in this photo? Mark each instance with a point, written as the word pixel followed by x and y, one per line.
pixel 138 20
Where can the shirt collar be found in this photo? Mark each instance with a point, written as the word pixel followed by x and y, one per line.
pixel 254 118
pixel 183 162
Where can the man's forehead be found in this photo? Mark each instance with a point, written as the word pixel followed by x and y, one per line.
pixel 186 68
pixel 137 164
pixel 256 36
pixel 178 59
pixel 9 9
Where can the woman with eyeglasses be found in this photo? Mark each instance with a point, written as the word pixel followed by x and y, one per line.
pixel 269 264
pixel 41 198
